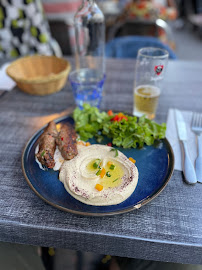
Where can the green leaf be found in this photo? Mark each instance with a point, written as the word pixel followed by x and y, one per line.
pixel 128 142
pixel 135 132
pixel 116 152
pixel 117 141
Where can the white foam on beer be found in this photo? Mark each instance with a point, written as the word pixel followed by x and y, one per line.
pixel 152 90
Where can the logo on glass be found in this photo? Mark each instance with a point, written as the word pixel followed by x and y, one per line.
pixel 158 69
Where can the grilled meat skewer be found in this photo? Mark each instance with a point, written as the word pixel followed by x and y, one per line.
pixel 47 145
pixel 66 141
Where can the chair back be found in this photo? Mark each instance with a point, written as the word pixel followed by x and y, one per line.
pixel 134 27
pixel 127 47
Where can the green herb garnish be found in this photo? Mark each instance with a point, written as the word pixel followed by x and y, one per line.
pixel 115 180
pixel 96 164
pixel 43 153
pixel 108 174
pixel 112 166
pixel 98 172
pixel 116 151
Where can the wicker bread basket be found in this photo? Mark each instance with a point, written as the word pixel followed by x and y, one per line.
pixel 39 75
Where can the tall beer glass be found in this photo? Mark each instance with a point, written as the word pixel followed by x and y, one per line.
pixel 150 70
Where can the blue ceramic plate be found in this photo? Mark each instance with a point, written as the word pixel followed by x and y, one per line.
pixel 155 165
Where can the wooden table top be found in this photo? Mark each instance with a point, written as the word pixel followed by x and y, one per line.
pixel 166 229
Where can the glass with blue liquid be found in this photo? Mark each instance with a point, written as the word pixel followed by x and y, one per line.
pixel 87 86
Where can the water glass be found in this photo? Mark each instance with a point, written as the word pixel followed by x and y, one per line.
pixel 150 70
pixel 87 86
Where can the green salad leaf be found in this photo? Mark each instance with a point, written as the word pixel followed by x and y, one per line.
pixel 128 132
pixel 89 122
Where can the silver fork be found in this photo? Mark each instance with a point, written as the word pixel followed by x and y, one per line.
pixel 196 127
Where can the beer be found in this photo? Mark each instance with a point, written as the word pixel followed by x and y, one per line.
pixel 146 100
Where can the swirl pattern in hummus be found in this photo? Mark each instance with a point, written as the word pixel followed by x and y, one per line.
pixel 80 182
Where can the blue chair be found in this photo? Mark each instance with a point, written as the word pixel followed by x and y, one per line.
pixel 128 46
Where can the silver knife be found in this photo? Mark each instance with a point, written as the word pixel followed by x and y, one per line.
pixel 188 167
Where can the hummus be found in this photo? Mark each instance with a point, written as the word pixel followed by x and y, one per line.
pixel 99 175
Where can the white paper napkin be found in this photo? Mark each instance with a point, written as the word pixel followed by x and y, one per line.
pixel 172 136
pixel 6 83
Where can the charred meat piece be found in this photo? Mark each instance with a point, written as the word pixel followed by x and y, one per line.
pixel 66 141
pixel 47 145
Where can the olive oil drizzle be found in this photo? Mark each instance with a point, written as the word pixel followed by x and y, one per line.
pixel 113 175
